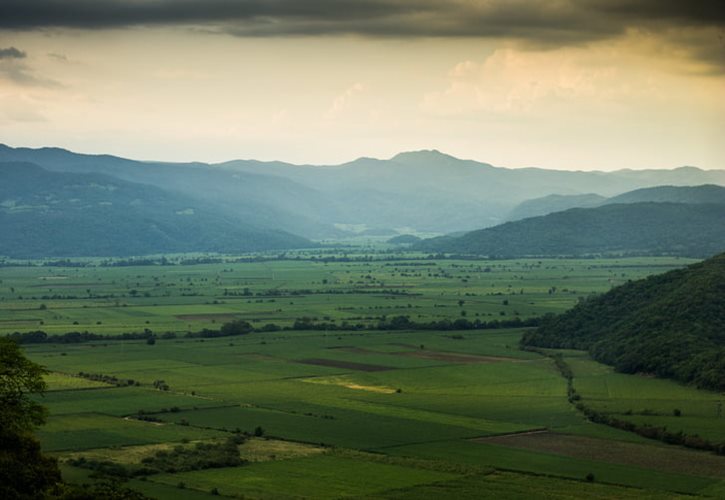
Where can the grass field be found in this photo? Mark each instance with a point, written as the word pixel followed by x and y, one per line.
pixel 649 400
pixel 363 414
pixel 191 297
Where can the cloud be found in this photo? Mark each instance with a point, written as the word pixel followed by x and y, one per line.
pixel 342 101
pixel 692 11
pixel 558 20
pixel 12 53
pixel 695 25
pixel 14 69
pixel 514 83
pixel 58 57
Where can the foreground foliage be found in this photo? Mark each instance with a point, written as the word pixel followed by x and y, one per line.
pixel 24 471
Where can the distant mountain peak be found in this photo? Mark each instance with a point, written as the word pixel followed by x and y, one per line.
pixel 422 155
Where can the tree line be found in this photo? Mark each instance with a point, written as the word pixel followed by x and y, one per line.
pixel 241 327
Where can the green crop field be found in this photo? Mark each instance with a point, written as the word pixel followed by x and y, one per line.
pixel 650 400
pixel 357 412
pixel 181 298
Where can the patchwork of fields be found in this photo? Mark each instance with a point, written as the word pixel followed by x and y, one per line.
pixel 365 414
pixel 185 298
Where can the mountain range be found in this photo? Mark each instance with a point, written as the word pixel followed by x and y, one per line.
pixel 425 191
pixel 277 205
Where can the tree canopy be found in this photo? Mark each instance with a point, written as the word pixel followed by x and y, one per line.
pixel 24 471
pixel 671 325
pixel 19 377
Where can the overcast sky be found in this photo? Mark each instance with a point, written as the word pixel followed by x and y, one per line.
pixel 570 84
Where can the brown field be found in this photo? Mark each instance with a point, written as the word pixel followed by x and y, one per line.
pixel 670 459
pixel 206 317
pixel 259 356
pixel 452 357
pixel 356 350
pixel 348 365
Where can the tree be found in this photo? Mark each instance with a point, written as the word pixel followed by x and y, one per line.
pixel 24 471
pixel 19 377
pixel 108 490
pixel 236 327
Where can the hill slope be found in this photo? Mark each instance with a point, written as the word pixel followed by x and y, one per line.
pixel 52 214
pixel 321 201
pixel 671 325
pixel 707 193
pixel 273 202
pixel 554 203
pixel 643 228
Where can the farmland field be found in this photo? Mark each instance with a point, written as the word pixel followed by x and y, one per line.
pixel 351 410
pixel 179 298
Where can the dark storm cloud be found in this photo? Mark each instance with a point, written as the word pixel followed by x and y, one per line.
pixel 687 11
pixel 92 14
pixel 11 53
pixel 542 23
pixel 540 19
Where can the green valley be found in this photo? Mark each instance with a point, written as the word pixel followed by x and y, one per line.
pixel 345 411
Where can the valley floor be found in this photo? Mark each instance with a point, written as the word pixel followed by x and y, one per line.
pixel 362 414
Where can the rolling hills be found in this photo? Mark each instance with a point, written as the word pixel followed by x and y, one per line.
pixel 54 214
pixel 269 201
pixel 706 193
pixel 671 325
pixel 554 203
pixel 424 191
pixel 695 230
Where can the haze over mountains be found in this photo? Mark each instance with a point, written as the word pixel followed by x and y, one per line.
pixel 62 214
pixel 279 205
pixel 708 193
pixel 693 230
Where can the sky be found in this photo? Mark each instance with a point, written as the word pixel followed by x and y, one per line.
pixel 565 84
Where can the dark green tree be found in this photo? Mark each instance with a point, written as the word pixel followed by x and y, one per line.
pixel 237 327
pixel 24 471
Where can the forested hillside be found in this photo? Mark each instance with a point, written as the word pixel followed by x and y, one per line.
pixel 706 193
pixel 695 230
pixel 52 214
pixel 671 325
pixel 554 203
